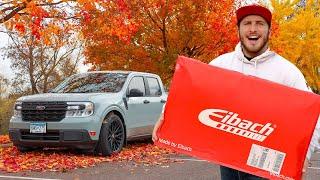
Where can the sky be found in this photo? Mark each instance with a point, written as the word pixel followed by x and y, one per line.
pixel 5 69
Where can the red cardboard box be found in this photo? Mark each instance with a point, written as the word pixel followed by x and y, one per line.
pixel 239 121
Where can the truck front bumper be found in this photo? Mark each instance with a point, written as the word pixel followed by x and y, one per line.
pixel 52 138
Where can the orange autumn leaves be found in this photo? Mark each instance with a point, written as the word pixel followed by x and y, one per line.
pixel 297 37
pixel 37 17
pixel 142 35
pixel 11 160
pixel 159 31
pixel 4 139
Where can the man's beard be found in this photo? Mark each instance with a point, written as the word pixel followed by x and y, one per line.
pixel 255 51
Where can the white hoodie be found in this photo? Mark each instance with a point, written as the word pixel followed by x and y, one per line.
pixel 272 67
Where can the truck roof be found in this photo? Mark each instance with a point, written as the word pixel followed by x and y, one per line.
pixel 120 71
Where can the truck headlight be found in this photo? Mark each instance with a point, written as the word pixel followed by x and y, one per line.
pixel 79 109
pixel 17 109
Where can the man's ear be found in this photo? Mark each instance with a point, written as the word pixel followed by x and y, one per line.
pixel 269 32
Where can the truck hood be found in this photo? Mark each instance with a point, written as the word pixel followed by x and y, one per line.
pixel 66 97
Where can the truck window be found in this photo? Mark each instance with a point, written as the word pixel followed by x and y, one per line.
pixel 137 83
pixel 154 86
pixel 92 83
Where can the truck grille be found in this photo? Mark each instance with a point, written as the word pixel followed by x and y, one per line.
pixel 43 111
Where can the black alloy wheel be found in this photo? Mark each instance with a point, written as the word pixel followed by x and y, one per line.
pixel 115 136
pixel 112 135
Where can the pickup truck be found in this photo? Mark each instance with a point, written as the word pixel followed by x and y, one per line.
pixel 95 111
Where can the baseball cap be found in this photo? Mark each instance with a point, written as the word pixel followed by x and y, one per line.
pixel 254 10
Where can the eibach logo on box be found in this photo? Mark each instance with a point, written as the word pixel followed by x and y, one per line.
pixel 230 122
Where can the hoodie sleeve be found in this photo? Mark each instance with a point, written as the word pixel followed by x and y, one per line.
pixel 215 62
pixel 300 83
pixel 222 61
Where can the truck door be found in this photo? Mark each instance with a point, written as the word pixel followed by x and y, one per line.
pixel 138 106
pixel 156 99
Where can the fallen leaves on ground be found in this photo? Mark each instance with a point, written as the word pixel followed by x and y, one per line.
pixel 4 139
pixel 11 160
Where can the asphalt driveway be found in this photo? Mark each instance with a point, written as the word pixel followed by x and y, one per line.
pixel 186 168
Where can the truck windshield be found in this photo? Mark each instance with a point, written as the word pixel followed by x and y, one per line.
pixel 92 83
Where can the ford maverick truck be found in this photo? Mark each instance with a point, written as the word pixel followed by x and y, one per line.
pixel 94 111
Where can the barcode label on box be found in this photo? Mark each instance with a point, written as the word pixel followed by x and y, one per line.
pixel 265 158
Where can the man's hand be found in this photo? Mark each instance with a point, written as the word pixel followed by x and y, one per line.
pixel 304 169
pixel 156 127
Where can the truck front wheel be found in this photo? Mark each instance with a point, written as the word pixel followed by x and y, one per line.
pixel 112 135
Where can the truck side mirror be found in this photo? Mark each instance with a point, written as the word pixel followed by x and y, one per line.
pixel 135 93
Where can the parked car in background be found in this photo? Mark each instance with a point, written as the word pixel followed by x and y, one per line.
pixel 96 111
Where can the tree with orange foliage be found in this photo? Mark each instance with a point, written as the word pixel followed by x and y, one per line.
pixel 298 36
pixel 145 35
pixel 157 32
pixel 37 15
pixel 44 33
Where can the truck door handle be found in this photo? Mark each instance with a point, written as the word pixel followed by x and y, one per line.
pixel 146 102
pixel 163 101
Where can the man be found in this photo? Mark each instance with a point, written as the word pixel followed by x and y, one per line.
pixel 253 57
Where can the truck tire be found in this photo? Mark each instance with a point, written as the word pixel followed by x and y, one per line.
pixel 112 136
